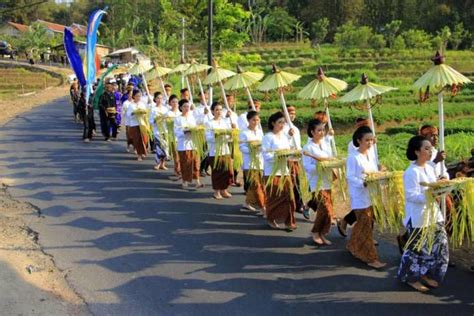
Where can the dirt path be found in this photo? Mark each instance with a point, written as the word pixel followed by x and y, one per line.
pixel 20 250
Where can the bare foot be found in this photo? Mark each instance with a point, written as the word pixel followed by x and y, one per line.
pixel 318 240
pixel 226 194
pixel 418 286
pixel 430 282
pixel 376 264
pixel 273 225
pixel 326 241
pixel 217 196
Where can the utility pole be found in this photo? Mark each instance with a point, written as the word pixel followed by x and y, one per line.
pixel 182 52
pixel 209 40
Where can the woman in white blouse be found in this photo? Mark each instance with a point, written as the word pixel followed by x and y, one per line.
pixel 173 113
pixel 280 202
pixel 423 267
pixel 157 115
pixel 188 157
pixel 136 116
pixel 250 137
pixel 219 156
pixel 318 149
pixel 361 244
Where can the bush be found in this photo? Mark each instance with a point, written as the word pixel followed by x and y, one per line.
pixel 377 42
pixel 349 36
pixel 418 39
pixel 253 58
pixel 399 43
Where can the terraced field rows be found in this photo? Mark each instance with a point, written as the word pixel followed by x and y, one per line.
pixel 17 81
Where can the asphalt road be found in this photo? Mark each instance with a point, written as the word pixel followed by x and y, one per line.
pixel 135 243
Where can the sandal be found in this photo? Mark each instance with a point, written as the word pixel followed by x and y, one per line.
pixel 217 197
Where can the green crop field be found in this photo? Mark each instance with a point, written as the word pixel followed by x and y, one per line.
pixel 398 116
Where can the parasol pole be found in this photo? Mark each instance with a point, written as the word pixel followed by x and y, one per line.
pixel 202 91
pixel 249 95
pixel 163 88
pixel 225 100
pixel 372 127
pixel 146 88
pixel 286 114
pixel 285 110
pixel 441 145
pixel 333 139
pixel 226 104
pixel 189 89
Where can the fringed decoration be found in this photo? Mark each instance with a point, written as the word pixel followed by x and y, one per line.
pixel 144 124
pixel 170 137
pixel 388 200
pixel 237 156
pixel 198 138
pixel 280 166
pixel 222 140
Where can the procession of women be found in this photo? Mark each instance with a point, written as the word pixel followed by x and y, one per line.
pixel 199 133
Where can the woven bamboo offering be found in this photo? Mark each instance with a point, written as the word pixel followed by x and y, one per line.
pixel 140 112
pixel 288 153
pixel 334 163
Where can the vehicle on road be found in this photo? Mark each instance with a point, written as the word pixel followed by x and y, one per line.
pixel 6 49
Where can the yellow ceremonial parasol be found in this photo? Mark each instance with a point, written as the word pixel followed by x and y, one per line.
pixel 217 75
pixel 196 68
pixel 181 68
pixel 139 68
pixel 439 77
pixel 279 80
pixel 158 72
pixel 365 91
pixel 322 88
pixel 121 69
pixel 243 80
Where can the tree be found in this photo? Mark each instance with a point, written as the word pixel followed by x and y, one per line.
pixel 319 31
pixel 300 32
pixel 35 41
pixel 229 24
pixel 280 24
pixel 391 30
pixel 257 26
pixel 458 35
pixel 444 35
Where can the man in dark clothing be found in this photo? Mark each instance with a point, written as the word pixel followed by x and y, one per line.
pixel 88 119
pixel 107 111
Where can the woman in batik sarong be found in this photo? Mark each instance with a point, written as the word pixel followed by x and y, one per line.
pixel 425 258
